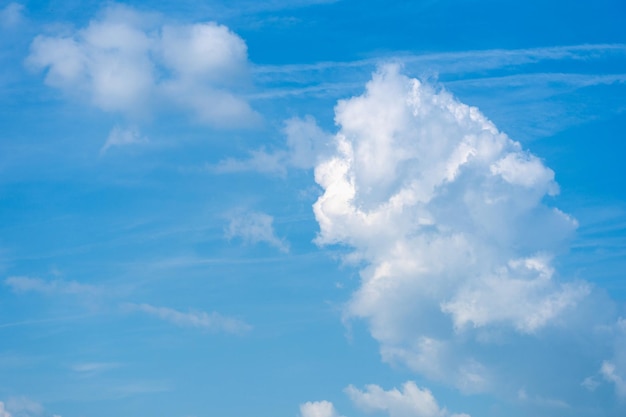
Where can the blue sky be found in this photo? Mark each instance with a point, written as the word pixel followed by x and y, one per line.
pixel 312 208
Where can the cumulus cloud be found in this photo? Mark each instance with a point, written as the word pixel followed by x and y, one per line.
pixel 26 284
pixel 410 401
pixel 318 409
pixel 128 62
pixel 255 227
pixel 306 145
pixel 450 220
pixel 200 319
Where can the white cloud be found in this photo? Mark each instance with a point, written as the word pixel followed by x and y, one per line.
pixel 255 227
pixel 537 400
pixel 449 218
pixel 204 51
pixel 613 370
pixel 454 63
pixel 3 411
pixel 590 383
pixel 26 284
pixel 23 407
pixel 126 61
pixel 526 281
pixel 93 367
pixel 318 409
pixel 123 137
pixel 200 319
pixel 259 161
pixel 411 401
pixel 109 61
pixel 306 144
pixel 11 15
pixel 611 374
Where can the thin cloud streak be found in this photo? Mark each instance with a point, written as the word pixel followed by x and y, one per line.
pixel 199 319
pixel 481 59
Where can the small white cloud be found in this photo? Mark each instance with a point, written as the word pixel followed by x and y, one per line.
pixel 611 374
pixel 411 401
pixel 26 284
pixel 255 227
pixel 23 407
pixel 200 319
pixel 11 15
pixel 306 143
pixel 3 411
pixel 318 409
pixel 590 383
pixel 123 137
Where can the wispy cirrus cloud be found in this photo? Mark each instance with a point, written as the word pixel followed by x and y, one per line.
pixel 462 62
pixel 198 319
pixel 93 367
pixel 27 284
pixel 530 90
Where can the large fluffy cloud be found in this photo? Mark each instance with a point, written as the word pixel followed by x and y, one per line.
pixel 126 61
pixel 451 221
